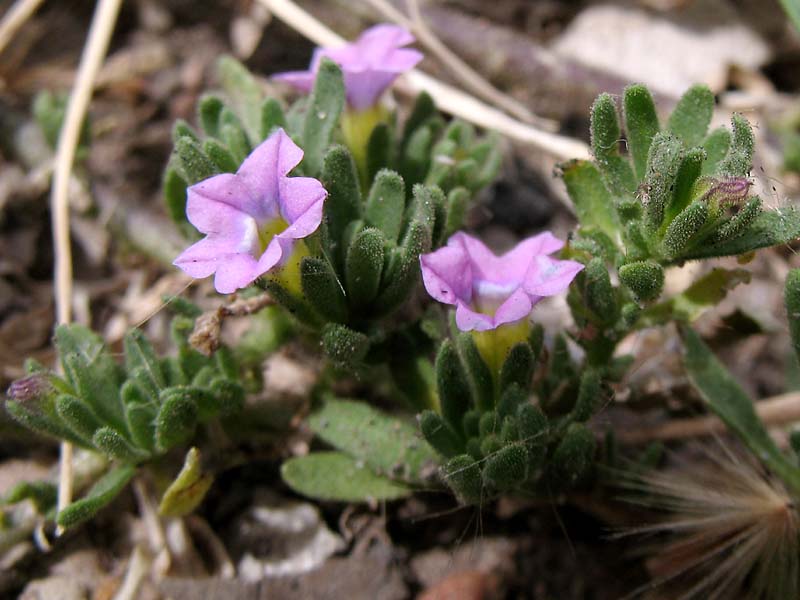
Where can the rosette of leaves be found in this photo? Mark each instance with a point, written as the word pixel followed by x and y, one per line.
pixel 678 193
pixel 490 435
pixel 131 413
pixel 365 263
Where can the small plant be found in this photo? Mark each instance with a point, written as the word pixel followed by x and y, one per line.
pixel 133 413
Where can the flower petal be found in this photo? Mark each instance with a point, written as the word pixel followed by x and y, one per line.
pixel 202 258
pixel 548 276
pixel 512 266
pixel 369 64
pixel 446 274
pixel 275 253
pixel 517 306
pixel 263 169
pixel 237 272
pixel 217 204
pixel 301 80
pixel 298 195
pixel 470 320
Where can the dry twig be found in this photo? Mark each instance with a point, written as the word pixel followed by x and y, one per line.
pixel 778 410
pixel 103 21
pixel 16 17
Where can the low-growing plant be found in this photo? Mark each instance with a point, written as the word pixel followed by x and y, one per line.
pixel 338 208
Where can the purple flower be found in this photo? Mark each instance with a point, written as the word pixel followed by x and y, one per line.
pixel 488 290
pixel 369 65
pixel 252 219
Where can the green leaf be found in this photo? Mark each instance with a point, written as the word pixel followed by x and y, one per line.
pixel 478 372
pixel 345 347
pixel 439 434
pixel 739 160
pixel 716 146
pixel 244 92
pixel 641 125
pixel 139 354
pixel 593 203
pixel 388 445
pixel 489 158
pixel 769 228
pixel 208 114
pixel 423 111
pixel 363 267
pixel 379 150
pixel 92 372
pixel 706 292
pixel 403 273
pixel 325 106
pixel 111 443
pixel 573 457
pixel 507 468
pixel 691 117
pixel 176 419
pixel 322 288
pixel 740 222
pixel 589 396
pixel 663 165
pixel 101 494
pixel 731 404
pixel 188 489
pixel 272 117
pixel 343 205
pixel 77 416
pixel 644 278
pixel 191 162
pixel 174 188
pixel 43 494
pixel 141 420
pixel 235 139
pixel 518 366
pixel 229 397
pixel 220 155
pixel 688 174
pixel 684 228
pixel 606 136
pixel 455 397
pixel 463 475
pixel 600 295
pixel 415 158
pixel 41 423
pixel 456 210
pixel 791 296
pixel 181 129
pixel 334 476
pixel 386 204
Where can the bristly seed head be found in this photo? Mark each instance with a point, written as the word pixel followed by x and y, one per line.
pixel 734 530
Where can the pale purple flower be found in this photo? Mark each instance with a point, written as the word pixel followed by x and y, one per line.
pixel 489 290
pixel 369 65
pixel 253 218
